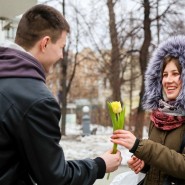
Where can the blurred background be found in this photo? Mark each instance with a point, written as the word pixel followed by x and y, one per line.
pixel 106 55
pixel 105 59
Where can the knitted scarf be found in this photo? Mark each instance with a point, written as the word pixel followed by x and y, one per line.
pixel 167 116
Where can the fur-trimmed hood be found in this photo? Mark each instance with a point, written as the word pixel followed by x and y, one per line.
pixel 174 46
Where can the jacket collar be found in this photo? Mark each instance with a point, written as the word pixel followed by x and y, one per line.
pixel 19 63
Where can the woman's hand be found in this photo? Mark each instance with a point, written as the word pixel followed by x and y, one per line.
pixel 135 164
pixel 124 138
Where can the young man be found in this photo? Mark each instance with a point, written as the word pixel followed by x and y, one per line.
pixel 29 114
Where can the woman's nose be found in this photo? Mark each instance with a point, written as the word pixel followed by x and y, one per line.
pixel 169 78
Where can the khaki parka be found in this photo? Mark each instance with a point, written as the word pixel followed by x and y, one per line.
pixel 160 152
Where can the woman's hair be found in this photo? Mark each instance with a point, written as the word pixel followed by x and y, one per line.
pixel 39 21
pixel 175 60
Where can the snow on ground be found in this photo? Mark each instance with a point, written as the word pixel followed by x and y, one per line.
pixel 76 146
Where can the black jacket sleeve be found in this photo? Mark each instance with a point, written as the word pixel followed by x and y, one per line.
pixel 40 136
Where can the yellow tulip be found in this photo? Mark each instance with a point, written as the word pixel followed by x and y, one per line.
pixel 116 107
pixel 117 115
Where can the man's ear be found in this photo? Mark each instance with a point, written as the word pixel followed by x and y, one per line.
pixel 44 42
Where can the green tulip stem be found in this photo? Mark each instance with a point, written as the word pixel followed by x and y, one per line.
pixel 114 148
pixel 108 175
pixel 117 118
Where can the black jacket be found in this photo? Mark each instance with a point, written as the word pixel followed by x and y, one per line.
pixel 29 130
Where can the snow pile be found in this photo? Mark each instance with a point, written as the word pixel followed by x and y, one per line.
pixel 76 146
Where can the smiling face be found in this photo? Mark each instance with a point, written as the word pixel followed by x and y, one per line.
pixel 171 81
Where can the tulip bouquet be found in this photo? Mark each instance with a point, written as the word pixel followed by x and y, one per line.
pixel 117 114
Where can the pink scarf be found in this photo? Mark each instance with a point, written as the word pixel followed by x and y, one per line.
pixel 165 121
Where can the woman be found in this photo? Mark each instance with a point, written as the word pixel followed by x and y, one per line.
pixel 161 156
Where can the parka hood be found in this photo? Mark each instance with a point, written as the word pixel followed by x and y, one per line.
pixel 17 63
pixel 174 46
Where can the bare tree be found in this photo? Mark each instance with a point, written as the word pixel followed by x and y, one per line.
pixel 115 54
pixel 143 58
pixel 66 81
pixel 124 39
pixel 149 5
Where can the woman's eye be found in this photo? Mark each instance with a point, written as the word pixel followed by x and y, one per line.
pixel 165 74
pixel 176 74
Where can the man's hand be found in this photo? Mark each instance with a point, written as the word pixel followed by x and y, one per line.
pixel 112 161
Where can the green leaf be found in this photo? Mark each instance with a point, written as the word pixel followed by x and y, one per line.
pixel 122 119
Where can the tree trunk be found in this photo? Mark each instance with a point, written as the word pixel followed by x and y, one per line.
pixel 64 95
pixel 158 23
pixel 64 87
pixel 115 80
pixel 143 58
pixel 131 92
